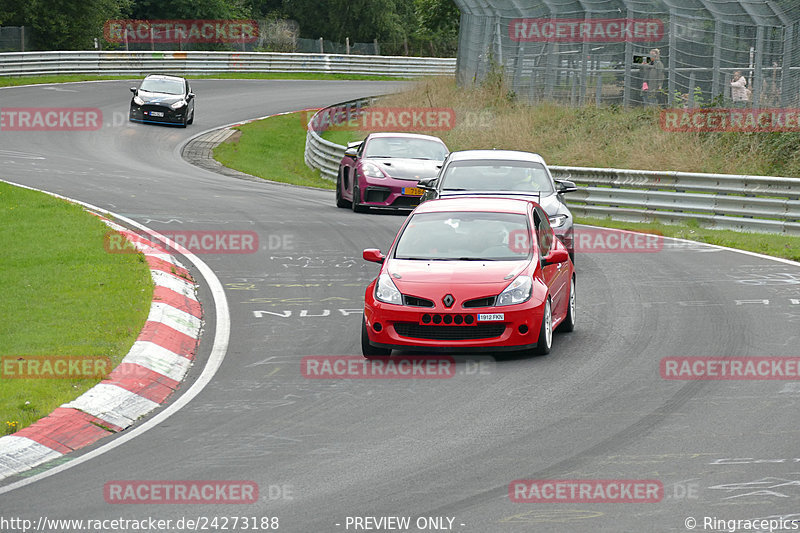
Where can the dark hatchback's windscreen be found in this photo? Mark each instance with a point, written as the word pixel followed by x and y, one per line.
pixel 465 236
pixel 495 175
pixel 154 85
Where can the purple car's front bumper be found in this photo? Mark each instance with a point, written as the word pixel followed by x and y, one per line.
pixel 390 192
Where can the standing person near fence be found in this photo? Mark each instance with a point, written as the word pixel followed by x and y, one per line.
pixel 740 94
pixel 653 77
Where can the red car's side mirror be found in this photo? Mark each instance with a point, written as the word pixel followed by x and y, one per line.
pixel 555 256
pixel 374 255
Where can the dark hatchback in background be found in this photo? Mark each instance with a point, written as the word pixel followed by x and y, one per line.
pixel 506 173
pixel 383 170
pixel 163 100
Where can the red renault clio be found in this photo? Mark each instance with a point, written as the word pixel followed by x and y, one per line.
pixel 470 274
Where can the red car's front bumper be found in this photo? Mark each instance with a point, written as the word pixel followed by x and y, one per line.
pixel 410 328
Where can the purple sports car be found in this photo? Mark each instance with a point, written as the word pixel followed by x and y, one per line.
pixel 383 170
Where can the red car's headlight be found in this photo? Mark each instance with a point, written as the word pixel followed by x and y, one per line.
pixel 386 291
pixel 518 291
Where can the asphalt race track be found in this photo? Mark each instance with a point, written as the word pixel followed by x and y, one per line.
pixel 323 450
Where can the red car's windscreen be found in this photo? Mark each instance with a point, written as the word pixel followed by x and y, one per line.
pixel 463 236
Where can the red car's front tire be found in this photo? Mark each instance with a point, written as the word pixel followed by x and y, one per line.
pixel 367 350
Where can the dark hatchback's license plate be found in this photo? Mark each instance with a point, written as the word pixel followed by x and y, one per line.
pixel 156 113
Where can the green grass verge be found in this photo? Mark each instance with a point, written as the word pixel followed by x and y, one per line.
pixel 343 136
pixel 272 149
pixel 784 246
pixel 63 294
pixel 13 81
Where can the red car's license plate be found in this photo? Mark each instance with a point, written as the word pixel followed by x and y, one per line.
pixel 413 191
pixel 447 319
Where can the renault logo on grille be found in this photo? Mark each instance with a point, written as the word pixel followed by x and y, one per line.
pixel 448 300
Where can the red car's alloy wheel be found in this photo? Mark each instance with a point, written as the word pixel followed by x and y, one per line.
pixel 569 321
pixel 545 341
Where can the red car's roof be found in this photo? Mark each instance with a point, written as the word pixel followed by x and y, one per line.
pixel 471 203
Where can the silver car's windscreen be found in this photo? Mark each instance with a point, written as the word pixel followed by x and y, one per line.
pixel 405 147
pixel 162 86
pixel 494 175
pixel 465 236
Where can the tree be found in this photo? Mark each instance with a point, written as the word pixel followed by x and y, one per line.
pixel 437 18
pixel 189 9
pixel 67 24
pixel 437 23
pixel 265 8
pixel 360 20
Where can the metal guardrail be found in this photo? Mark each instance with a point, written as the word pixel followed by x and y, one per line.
pixel 140 63
pixel 323 154
pixel 722 201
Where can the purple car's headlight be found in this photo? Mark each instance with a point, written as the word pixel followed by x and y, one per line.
pixel 371 170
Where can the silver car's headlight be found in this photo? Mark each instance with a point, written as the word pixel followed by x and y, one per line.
pixel 556 221
pixel 178 104
pixel 517 292
pixel 371 170
pixel 138 101
pixel 386 291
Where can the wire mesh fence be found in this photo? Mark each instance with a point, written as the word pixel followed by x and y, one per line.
pixel 14 39
pixel 687 53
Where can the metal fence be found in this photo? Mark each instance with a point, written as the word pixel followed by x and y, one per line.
pixel 274 35
pixel 15 38
pixel 572 51
pixel 722 201
pixel 139 63
pixel 323 154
